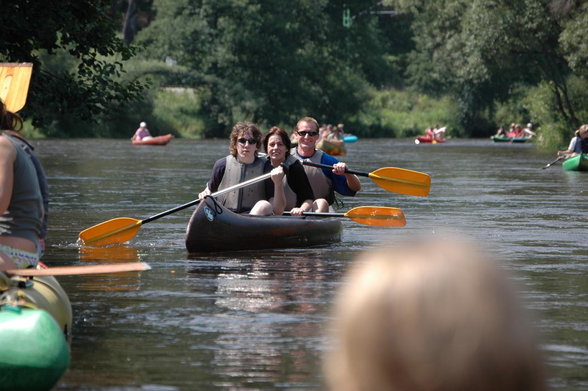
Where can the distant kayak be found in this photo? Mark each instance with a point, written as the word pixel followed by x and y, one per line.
pixel 429 140
pixel 576 163
pixel 334 148
pixel 159 140
pixel 504 139
pixel 350 138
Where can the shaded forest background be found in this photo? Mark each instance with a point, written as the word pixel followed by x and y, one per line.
pixel 384 68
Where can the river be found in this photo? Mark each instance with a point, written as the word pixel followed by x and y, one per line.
pixel 256 320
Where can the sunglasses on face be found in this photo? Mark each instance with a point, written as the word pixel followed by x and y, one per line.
pixel 305 133
pixel 243 141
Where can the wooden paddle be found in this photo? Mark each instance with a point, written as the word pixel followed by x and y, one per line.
pixel 122 229
pixel 82 269
pixel 381 216
pixel 396 180
pixel 553 162
pixel 14 84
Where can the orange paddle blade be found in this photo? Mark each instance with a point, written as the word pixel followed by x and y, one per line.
pixel 14 84
pixel 119 230
pixel 402 181
pixel 382 216
pixel 84 269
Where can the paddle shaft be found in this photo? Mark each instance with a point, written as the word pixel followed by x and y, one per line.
pixel 220 192
pixel 553 162
pixel 368 215
pixel 320 214
pixel 82 269
pixel 348 171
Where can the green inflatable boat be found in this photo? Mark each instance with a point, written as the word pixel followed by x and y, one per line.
pixel 576 163
pixel 35 325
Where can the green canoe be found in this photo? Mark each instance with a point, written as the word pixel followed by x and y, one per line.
pixel 504 139
pixel 35 324
pixel 576 163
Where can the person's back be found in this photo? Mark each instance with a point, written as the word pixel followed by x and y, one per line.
pixel 432 315
pixel 142 133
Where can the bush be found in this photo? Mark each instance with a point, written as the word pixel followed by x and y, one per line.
pixel 396 113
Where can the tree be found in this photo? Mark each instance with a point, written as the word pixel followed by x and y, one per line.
pixel 262 61
pixel 479 49
pixel 77 60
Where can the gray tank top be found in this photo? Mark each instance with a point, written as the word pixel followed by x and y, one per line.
pixel 24 215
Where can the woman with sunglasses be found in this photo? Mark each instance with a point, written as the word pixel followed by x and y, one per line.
pixel 324 182
pixel 241 165
pixel 299 195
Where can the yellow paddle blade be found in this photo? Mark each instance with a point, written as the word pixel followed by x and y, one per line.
pixel 382 216
pixel 14 84
pixel 402 181
pixel 119 230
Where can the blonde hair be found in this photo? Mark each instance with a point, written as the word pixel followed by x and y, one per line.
pixel 430 316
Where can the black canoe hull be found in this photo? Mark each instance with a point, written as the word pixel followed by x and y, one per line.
pixel 213 228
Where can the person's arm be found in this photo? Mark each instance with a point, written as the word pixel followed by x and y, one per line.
pixel 7 158
pixel 570 149
pixel 278 201
pixel 344 184
pixel 218 171
pixel 298 182
pixel 352 180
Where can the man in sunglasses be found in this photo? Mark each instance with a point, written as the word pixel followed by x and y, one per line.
pixel 241 165
pixel 324 182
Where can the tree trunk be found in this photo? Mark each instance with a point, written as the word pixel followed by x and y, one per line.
pixel 130 23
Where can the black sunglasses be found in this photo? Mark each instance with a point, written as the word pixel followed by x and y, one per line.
pixel 305 133
pixel 244 140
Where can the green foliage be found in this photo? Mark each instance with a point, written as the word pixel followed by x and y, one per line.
pixel 264 62
pixel 477 50
pixel 394 113
pixel 86 81
pixel 542 107
pixel 573 37
pixel 180 109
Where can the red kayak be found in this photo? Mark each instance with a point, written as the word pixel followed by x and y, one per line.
pixel 425 139
pixel 159 140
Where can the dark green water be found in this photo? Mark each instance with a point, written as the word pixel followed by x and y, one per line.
pixel 256 320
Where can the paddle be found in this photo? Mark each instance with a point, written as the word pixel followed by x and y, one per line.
pixel 553 162
pixel 14 84
pixel 381 216
pixel 122 229
pixel 397 180
pixel 83 269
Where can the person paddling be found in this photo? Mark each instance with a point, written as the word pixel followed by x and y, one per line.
pixel 299 195
pixel 578 143
pixel 142 133
pixel 243 163
pixel 324 182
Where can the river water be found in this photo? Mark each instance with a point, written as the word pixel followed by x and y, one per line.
pixel 256 320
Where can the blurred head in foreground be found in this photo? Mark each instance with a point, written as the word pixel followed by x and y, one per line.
pixel 431 315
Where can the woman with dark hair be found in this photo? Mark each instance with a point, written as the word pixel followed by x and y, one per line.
pixel 299 195
pixel 241 165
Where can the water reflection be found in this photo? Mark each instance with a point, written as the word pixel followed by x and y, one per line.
pixel 255 320
pixel 124 281
pixel 269 302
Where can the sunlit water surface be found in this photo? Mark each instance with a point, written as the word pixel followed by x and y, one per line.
pixel 257 320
